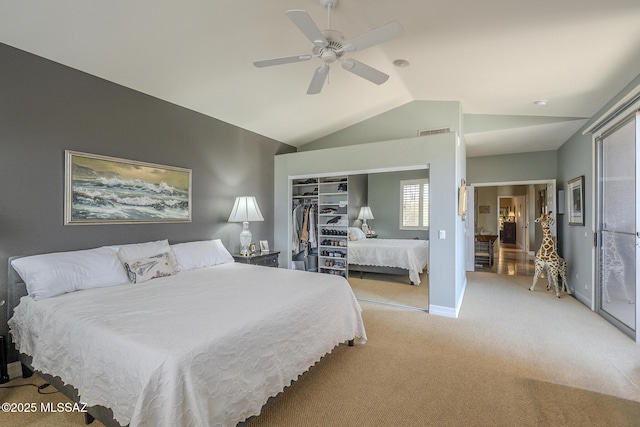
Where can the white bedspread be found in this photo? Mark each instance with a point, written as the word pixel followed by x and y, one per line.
pixel 206 347
pixel 412 255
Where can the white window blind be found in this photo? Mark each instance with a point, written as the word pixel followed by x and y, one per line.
pixel 414 204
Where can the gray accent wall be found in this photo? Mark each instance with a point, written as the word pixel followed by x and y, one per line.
pixel 576 158
pixel 384 200
pixel 358 190
pixel 46 108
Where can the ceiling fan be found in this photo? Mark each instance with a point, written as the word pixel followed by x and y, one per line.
pixel 330 46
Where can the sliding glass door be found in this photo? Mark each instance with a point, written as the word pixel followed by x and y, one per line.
pixel 617 249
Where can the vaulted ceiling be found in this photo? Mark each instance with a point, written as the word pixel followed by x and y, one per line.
pixel 496 57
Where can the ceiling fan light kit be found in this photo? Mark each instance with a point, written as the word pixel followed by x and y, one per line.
pixel 329 45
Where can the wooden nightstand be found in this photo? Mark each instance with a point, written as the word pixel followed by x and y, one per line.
pixel 269 259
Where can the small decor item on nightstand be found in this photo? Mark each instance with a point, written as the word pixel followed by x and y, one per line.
pixel 264 246
pixel 252 248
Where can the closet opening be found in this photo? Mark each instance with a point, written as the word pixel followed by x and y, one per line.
pixel 327 233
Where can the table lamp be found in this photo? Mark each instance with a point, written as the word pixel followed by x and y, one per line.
pixel 365 214
pixel 245 209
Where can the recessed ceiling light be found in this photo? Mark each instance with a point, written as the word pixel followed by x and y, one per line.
pixel 540 103
pixel 401 63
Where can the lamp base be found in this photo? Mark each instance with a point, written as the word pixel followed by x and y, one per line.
pixel 365 227
pixel 245 239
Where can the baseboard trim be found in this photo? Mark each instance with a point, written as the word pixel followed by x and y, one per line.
pixel 439 310
pixel 451 312
pixel 584 300
pixel 407 307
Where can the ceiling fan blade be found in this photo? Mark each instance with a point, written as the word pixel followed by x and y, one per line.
pixel 374 37
pixel 309 28
pixel 365 71
pixel 278 61
pixel 319 76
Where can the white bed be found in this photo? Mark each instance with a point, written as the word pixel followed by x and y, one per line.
pixel 410 255
pixel 203 347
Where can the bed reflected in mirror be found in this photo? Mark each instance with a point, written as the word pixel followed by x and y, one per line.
pixel 390 265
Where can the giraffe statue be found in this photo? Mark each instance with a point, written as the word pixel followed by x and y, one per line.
pixel 547 257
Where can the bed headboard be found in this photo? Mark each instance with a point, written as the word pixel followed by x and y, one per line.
pixel 16 289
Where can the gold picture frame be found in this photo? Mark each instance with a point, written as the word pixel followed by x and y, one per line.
pixel 108 190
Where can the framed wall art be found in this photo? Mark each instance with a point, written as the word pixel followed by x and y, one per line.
pixel 575 202
pixel 108 190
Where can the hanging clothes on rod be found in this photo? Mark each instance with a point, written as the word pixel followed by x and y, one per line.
pixel 303 228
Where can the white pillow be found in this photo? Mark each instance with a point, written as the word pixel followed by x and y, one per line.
pixel 134 252
pixel 192 255
pixel 151 267
pixel 356 234
pixel 48 275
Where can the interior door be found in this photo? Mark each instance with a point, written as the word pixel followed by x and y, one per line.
pixel 617 220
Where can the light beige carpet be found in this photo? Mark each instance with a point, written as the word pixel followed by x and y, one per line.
pixel 512 358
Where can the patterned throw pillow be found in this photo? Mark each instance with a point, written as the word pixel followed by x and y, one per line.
pixel 149 268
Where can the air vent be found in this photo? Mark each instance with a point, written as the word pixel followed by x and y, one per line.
pixel 433 131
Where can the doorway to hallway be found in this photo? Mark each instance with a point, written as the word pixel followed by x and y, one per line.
pixel 509 259
pixel 516 204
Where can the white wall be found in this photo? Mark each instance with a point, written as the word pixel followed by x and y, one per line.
pixel 444 155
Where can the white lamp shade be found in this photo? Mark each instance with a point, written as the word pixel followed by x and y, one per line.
pixel 365 213
pixel 245 209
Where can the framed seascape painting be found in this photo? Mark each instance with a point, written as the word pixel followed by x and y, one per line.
pixel 108 190
pixel 575 194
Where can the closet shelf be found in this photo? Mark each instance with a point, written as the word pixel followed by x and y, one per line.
pixel 336 193
pixel 333 268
